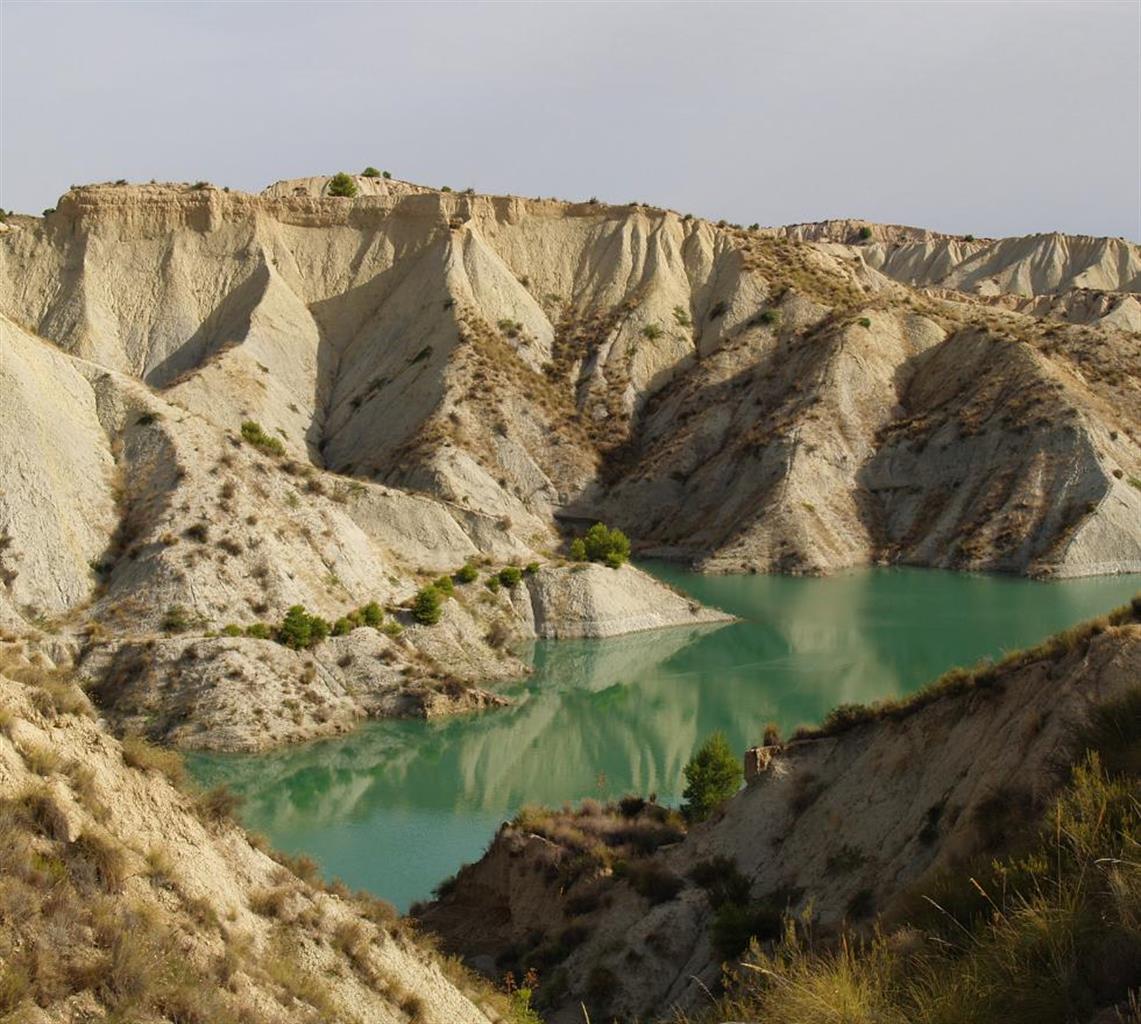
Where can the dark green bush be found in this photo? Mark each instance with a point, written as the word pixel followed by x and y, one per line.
pixel 300 630
pixel 735 924
pixel 721 880
pixel 531 568
pixel 385 174
pixel 602 544
pixel 578 549
pixel 510 576
pixel 371 614
pixel 259 631
pixel 426 608
pixel 444 585
pixel 864 233
pixel 343 626
pixel 341 184
pixel 232 630
pixel 370 172
pixel 712 776
pixel 467 573
pixel 492 584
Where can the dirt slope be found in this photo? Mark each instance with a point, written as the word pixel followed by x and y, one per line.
pixel 836 825
pixel 123 897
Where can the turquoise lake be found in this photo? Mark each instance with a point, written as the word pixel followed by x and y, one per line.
pixel 400 805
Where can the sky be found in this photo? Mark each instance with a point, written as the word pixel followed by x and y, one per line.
pixel 985 118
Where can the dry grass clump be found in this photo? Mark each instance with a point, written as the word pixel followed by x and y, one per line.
pixel 40 759
pixel 629 828
pixel 144 755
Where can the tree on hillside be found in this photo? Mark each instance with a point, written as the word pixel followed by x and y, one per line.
pixel 712 775
pixel 341 184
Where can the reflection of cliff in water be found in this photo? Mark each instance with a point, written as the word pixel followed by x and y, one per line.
pixel 593 707
pixel 399 805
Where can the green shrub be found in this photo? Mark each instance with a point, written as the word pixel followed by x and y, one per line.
pixel 492 584
pixel 259 631
pixel 652 331
pixel 232 629
pixel 426 608
pixel 371 614
pixel 735 924
pixel 602 544
pixel 768 316
pixel 578 549
pixel 864 233
pixel 341 184
pixel 681 316
pixel 370 172
pixel 445 586
pixel 650 880
pixel 531 568
pixel 864 322
pixel 712 776
pixel 968 238
pixel 343 626
pixel 721 880
pixel 300 630
pixel 510 576
pixel 385 174
pixel 467 573
pixel 253 433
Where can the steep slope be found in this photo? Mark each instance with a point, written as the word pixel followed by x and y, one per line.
pixel 837 824
pixel 136 530
pixel 125 898
pixel 723 394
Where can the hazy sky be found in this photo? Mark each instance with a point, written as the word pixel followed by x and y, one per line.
pixel 970 117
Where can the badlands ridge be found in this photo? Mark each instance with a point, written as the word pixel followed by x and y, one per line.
pixel 442 377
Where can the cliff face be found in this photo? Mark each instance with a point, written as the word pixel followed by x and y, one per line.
pixel 430 377
pixel 123 896
pixel 842 825
pixel 744 399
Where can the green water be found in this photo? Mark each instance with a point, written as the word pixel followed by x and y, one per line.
pixel 398 806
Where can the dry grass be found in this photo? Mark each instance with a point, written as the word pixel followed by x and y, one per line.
pixel 140 753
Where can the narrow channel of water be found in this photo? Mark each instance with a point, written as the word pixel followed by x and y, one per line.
pixel 398 806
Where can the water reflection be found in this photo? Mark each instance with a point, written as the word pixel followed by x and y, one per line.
pixel 399 805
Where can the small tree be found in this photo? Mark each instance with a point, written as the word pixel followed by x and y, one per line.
pixel 578 550
pixel 426 608
pixel 296 630
pixel 606 545
pixel 370 172
pixel 371 614
pixel 341 184
pixel 712 775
